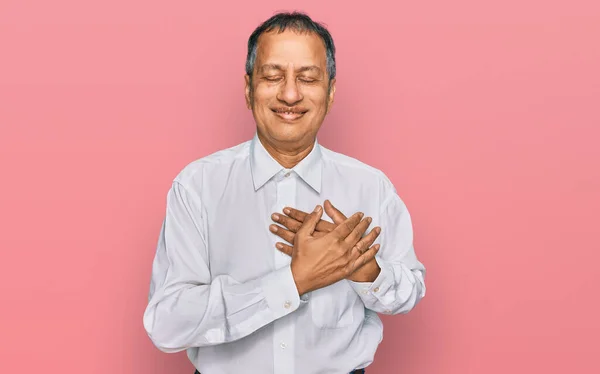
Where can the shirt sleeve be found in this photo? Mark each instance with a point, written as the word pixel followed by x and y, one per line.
pixel 189 308
pixel 401 283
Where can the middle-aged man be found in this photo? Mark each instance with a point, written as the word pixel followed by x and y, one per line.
pixel 250 277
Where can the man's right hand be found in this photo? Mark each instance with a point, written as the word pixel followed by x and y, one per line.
pixel 320 261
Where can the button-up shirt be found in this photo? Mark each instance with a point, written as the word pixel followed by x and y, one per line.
pixel 223 292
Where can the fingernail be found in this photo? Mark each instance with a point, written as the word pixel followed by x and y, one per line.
pixel 361 215
pixel 377 247
pixel 273 228
pixel 369 220
pixel 377 230
pixel 317 209
pixel 278 245
pixel 275 217
pixel 286 211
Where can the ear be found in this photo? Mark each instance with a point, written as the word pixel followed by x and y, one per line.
pixel 331 95
pixel 248 91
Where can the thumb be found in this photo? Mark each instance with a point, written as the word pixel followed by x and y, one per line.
pixel 310 222
pixel 337 216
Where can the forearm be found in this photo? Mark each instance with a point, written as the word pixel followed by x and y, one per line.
pixel 397 288
pixel 183 315
pixel 400 284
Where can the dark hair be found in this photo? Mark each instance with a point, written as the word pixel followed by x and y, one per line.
pixel 296 21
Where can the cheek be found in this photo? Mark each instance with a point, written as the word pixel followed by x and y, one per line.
pixel 264 92
pixel 318 100
pixel 315 98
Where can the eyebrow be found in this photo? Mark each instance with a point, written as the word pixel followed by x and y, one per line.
pixel 299 70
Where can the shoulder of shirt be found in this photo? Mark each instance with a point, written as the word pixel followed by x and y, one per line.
pixel 220 158
pixel 345 161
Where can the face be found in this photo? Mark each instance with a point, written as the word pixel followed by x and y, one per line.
pixel 289 93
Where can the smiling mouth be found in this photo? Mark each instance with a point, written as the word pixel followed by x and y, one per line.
pixel 289 115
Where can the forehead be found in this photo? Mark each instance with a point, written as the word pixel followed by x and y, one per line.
pixel 298 48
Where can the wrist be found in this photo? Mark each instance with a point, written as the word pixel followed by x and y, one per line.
pixel 301 286
pixel 368 273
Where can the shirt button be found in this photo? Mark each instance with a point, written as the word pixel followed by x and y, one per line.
pixel 287 305
pixel 287 175
pixel 282 345
pixel 364 292
pixel 376 289
pixel 388 311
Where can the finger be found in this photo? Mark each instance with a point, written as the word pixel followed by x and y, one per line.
pixel 346 227
pixel 366 241
pixel 358 232
pixel 300 216
pixel 290 223
pixel 310 223
pixel 287 249
pixel 284 234
pixel 364 257
pixel 296 214
pixel 325 226
pixel 337 216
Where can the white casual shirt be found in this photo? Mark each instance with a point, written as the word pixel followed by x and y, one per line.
pixel 223 292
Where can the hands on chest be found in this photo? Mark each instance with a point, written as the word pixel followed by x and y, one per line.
pixel 323 252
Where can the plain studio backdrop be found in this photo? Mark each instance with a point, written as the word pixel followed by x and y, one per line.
pixel 485 115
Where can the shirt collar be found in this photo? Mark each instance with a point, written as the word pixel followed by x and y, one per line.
pixel 263 166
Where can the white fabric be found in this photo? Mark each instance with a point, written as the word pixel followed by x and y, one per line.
pixel 223 292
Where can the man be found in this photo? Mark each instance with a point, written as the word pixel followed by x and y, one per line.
pixel 248 277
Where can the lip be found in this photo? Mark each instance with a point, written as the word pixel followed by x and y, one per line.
pixel 289 116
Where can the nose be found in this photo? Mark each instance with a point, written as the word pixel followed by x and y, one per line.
pixel 290 93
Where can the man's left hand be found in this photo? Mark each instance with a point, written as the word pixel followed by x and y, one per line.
pixel 292 220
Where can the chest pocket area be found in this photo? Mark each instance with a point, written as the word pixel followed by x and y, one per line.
pixel 332 306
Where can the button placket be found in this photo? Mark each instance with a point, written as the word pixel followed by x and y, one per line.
pixel 283 331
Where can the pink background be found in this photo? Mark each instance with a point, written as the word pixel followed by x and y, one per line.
pixel 486 116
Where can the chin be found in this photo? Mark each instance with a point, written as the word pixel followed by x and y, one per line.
pixel 286 132
pixel 288 137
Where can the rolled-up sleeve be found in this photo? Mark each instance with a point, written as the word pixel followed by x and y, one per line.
pixel 189 308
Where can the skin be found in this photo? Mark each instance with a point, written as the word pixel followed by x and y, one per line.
pixel 290 72
pixel 290 94
pixel 292 221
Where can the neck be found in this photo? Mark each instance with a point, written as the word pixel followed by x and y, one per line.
pixel 287 156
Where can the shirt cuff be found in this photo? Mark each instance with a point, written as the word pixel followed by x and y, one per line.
pixel 280 292
pixel 372 291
